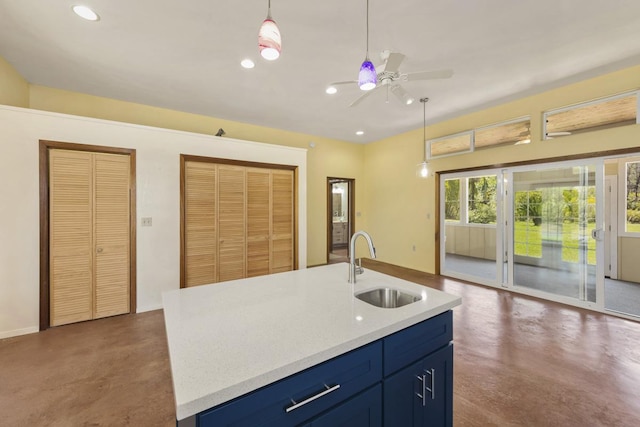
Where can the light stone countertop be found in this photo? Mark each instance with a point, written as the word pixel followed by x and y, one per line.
pixel 230 338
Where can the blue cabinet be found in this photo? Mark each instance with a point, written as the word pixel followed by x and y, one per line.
pixel 404 379
pixel 364 410
pixel 422 393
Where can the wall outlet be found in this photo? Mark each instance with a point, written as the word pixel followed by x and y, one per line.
pixel 146 221
pixel 414 248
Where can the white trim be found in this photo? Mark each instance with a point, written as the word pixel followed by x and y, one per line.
pixel 145 127
pixel 18 332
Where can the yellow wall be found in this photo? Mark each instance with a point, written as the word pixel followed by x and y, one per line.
pixel 400 208
pixel 14 89
pixel 396 207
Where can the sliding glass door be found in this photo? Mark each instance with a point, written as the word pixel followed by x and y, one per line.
pixel 556 227
pixel 536 229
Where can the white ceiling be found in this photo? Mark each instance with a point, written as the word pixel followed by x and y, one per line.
pixel 185 55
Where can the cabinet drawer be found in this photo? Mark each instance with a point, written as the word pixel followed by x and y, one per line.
pixel 321 387
pixel 364 410
pixel 417 341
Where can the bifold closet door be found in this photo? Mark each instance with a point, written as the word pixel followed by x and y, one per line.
pixel 200 223
pixel 258 224
pixel 71 237
pixel 89 226
pixel 231 223
pixel 282 236
pixel 111 235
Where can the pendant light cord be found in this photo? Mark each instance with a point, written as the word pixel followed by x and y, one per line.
pixel 424 127
pixel 367 29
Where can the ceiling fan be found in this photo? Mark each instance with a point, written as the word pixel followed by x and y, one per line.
pixel 390 77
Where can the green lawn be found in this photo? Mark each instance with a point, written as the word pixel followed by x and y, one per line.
pixel 633 228
pixel 528 241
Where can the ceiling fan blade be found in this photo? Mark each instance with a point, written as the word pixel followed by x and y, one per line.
pixel 430 75
pixel 401 94
pixel 343 83
pixel 393 62
pixel 364 95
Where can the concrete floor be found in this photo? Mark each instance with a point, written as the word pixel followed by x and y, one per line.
pixel 519 361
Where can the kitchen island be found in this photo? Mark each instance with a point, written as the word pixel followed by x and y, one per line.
pixel 296 347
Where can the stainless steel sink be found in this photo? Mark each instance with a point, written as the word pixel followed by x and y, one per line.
pixel 387 297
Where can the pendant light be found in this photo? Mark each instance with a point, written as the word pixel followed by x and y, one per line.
pixel 423 168
pixel 367 78
pixel 269 40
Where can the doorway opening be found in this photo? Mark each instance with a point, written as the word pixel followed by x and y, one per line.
pixel 340 218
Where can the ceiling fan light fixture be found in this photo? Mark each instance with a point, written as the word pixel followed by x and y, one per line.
pixel 367 77
pixel 269 39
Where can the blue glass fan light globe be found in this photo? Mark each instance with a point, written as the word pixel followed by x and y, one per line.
pixel 367 77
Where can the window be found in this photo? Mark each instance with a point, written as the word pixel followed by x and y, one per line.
pixel 482 199
pixel 452 200
pixel 605 113
pixel 512 132
pixel 452 144
pixel 632 199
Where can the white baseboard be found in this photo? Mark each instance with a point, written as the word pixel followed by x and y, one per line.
pixel 148 308
pixel 18 332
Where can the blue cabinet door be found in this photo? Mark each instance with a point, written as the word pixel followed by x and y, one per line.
pixel 421 394
pixel 364 410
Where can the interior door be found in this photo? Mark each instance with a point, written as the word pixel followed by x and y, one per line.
pixel 89 240
pixel 111 235
pixel 282 240
pixel 231 223
pixel 200 224
pixel 258 223
pixel 71 237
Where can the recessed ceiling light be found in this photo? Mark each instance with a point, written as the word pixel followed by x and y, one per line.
pixel 409 101
pixel 86 13
pixel 331 90
pixel 360 132
pixel 247 63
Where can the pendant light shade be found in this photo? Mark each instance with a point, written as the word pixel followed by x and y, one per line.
pixel 422 171
pixel 269 40
pixel 367 77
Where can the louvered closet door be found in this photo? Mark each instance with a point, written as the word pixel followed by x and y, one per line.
pixel 71 237
pixel 282 221
pixel 258 224
pixel 200 223
pixel 231 223
pixel 112 223
pixel 89 228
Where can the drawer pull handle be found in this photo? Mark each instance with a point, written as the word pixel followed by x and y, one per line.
pixel 327 390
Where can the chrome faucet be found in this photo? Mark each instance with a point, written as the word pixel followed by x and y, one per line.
pixel 352 254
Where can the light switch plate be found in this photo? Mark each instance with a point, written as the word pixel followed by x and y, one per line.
pixel 146 221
